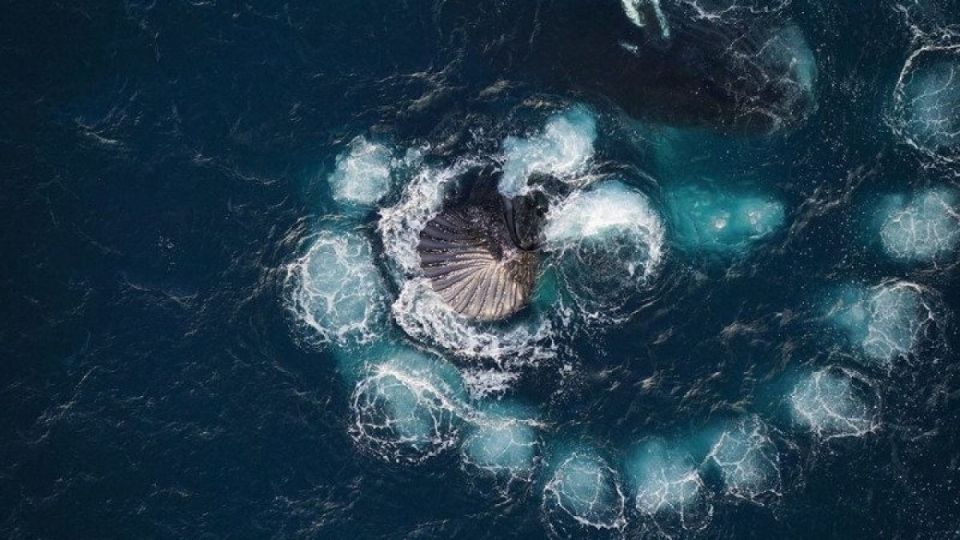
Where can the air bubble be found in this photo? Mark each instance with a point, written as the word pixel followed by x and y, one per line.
pixel 925 230
pixel 834 402
pixel 926 100
pixel 670 495
pixel 502 442
pixel 889 321
pixel 336 290
pixel 363 173
pixel 748 461
pixel 408 408
pixel 583 494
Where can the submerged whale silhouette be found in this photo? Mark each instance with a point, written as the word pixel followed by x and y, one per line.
pixel 709 63
pixel 482 254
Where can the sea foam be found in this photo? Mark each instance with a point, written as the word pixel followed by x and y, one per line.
pixel 609 242
pixel 363 173
pixel 336 289
pixel 834 402
pixel 563 149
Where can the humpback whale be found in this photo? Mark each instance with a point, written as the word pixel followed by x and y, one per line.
pixel 711 63
pixel 481 254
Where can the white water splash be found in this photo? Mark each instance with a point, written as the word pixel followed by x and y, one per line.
pixel 335 288
pixel 563 150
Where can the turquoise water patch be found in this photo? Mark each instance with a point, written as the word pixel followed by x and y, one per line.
pixel 706 217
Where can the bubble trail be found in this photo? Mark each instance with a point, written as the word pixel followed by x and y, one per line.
pixel 834 402
pixel 748 461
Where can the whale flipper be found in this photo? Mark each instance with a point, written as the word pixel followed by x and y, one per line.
pixel 471 260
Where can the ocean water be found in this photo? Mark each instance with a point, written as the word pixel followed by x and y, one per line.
pixel 744 325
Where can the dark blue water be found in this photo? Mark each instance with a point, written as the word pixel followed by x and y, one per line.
pixel 162 164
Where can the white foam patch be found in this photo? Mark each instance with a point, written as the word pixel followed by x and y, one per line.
pixel 632 8
pixel 608 240
pixel 888 321
pixel 835 402
pixel 336 290
pixel 900 314
pixel 424 316
pixel 583 493
pixel 563 150
pixel 670 493
pixel 748 460
pixel 421 201
pixel 503 443
pixel 926 100
pixel 408 408
pixel 925 230
pixel 363 173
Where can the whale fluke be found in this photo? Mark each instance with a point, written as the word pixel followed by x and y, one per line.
pixel 471 259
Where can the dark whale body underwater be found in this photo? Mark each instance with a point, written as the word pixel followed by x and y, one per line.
pixel 705 64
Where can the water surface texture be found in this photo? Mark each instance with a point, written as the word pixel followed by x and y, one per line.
pixel 743 323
